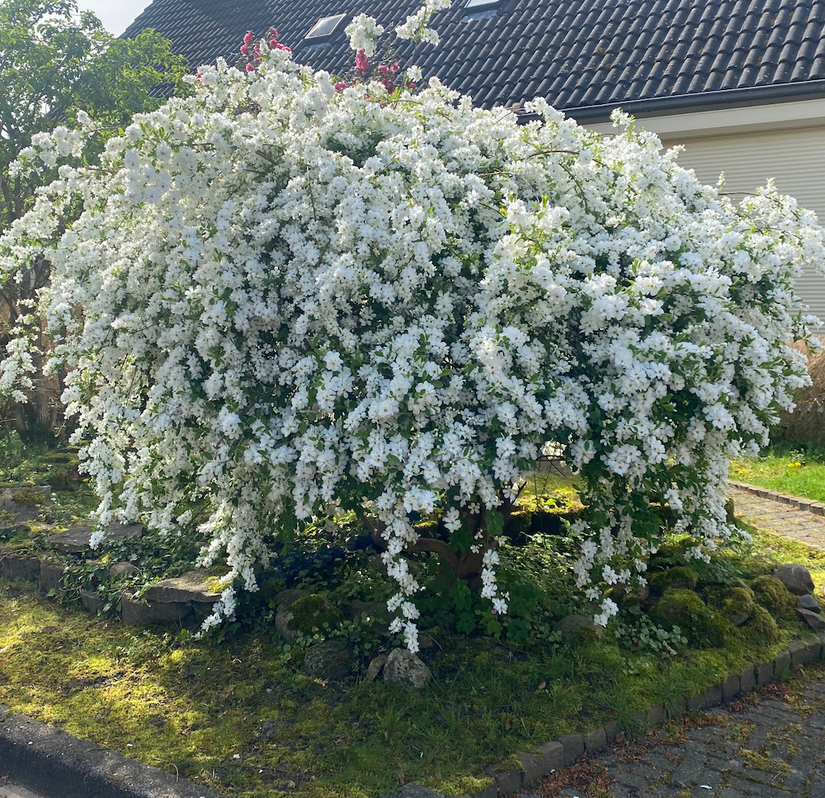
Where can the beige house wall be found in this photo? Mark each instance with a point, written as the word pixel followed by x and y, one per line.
pixel 784 142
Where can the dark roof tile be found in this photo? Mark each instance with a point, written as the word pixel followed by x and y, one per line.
pixel 575 53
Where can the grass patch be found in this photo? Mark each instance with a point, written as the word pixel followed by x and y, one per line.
pixel 794 471
pixel 238 716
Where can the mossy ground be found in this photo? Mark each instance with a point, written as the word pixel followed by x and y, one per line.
pixel 235 711
pixel 236 714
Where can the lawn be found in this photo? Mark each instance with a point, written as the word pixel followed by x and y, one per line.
pixel 787 470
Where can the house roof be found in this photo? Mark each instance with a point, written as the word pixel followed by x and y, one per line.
pixel 583 56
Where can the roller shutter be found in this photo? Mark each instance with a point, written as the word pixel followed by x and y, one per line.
pixel 795 159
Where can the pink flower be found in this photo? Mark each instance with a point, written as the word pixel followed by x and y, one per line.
pixel 362 63
pixel 244 49
pixel 250 68
pixel 388 85
pixel 340 85
pixel 279 46
pixel 248 37
pixel 394 68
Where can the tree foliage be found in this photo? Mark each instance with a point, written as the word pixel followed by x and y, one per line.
pixel 59 66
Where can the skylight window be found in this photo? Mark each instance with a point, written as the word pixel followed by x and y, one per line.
pixel 473 6
pixel 323 29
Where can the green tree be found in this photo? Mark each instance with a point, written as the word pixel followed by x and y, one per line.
pixel 56 64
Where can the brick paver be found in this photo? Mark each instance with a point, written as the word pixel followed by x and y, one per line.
pixel 790 522
pixel 767 746
pixel 770 745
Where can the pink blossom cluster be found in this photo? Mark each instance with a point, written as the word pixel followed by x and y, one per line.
pixel 251 50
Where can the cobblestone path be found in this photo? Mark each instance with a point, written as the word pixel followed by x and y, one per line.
pixel 771 744
pixel 785 520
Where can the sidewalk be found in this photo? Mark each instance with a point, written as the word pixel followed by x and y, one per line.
pixel 770 744
pixel 9 790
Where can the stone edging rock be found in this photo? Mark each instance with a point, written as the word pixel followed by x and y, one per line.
pixel 185 599
pixel 528 768
pixel 56 764
pixel 817 508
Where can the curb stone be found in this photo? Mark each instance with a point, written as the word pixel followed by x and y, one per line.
pixel 814 507
pixel 568 748
pixel 51 762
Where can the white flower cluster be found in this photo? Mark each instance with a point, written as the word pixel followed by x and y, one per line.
pixel 363 33
pixel 278 299
pixel 416 26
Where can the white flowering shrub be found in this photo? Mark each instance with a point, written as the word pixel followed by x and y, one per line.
pixel 279 302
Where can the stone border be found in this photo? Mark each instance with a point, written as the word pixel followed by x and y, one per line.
pixel 56 764
pixel 817 508
pixel 525 770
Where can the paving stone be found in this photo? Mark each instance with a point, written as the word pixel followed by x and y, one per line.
pixel 573 747
pixel 782 664
pixel 542 760
pixel 712 697
pixel 747 679
pixel 595 740
pixel 693 770
pixel 731 688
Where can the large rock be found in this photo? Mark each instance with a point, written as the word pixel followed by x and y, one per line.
pixel 51 577
pixel 76 539
pixel 286 598
pixel 72 541
pixel 139 613
pixel 808 602
pixel 191 586
pixel 795 577
pixel 375 667
pixel 119 570
pixel 120 532
pixel 329 661
pixel 19 566
pixel 24 503
pixel 404 667
pixel 282 621
pixel 814 619
pixel 579 627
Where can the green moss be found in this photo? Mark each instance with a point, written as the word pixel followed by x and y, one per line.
pixel 685 609
pixel 313 612
pixel 773 596
pixel 680 577
pixel 29 497
pixel 761 628
pixel 466 785
pixel 738 605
